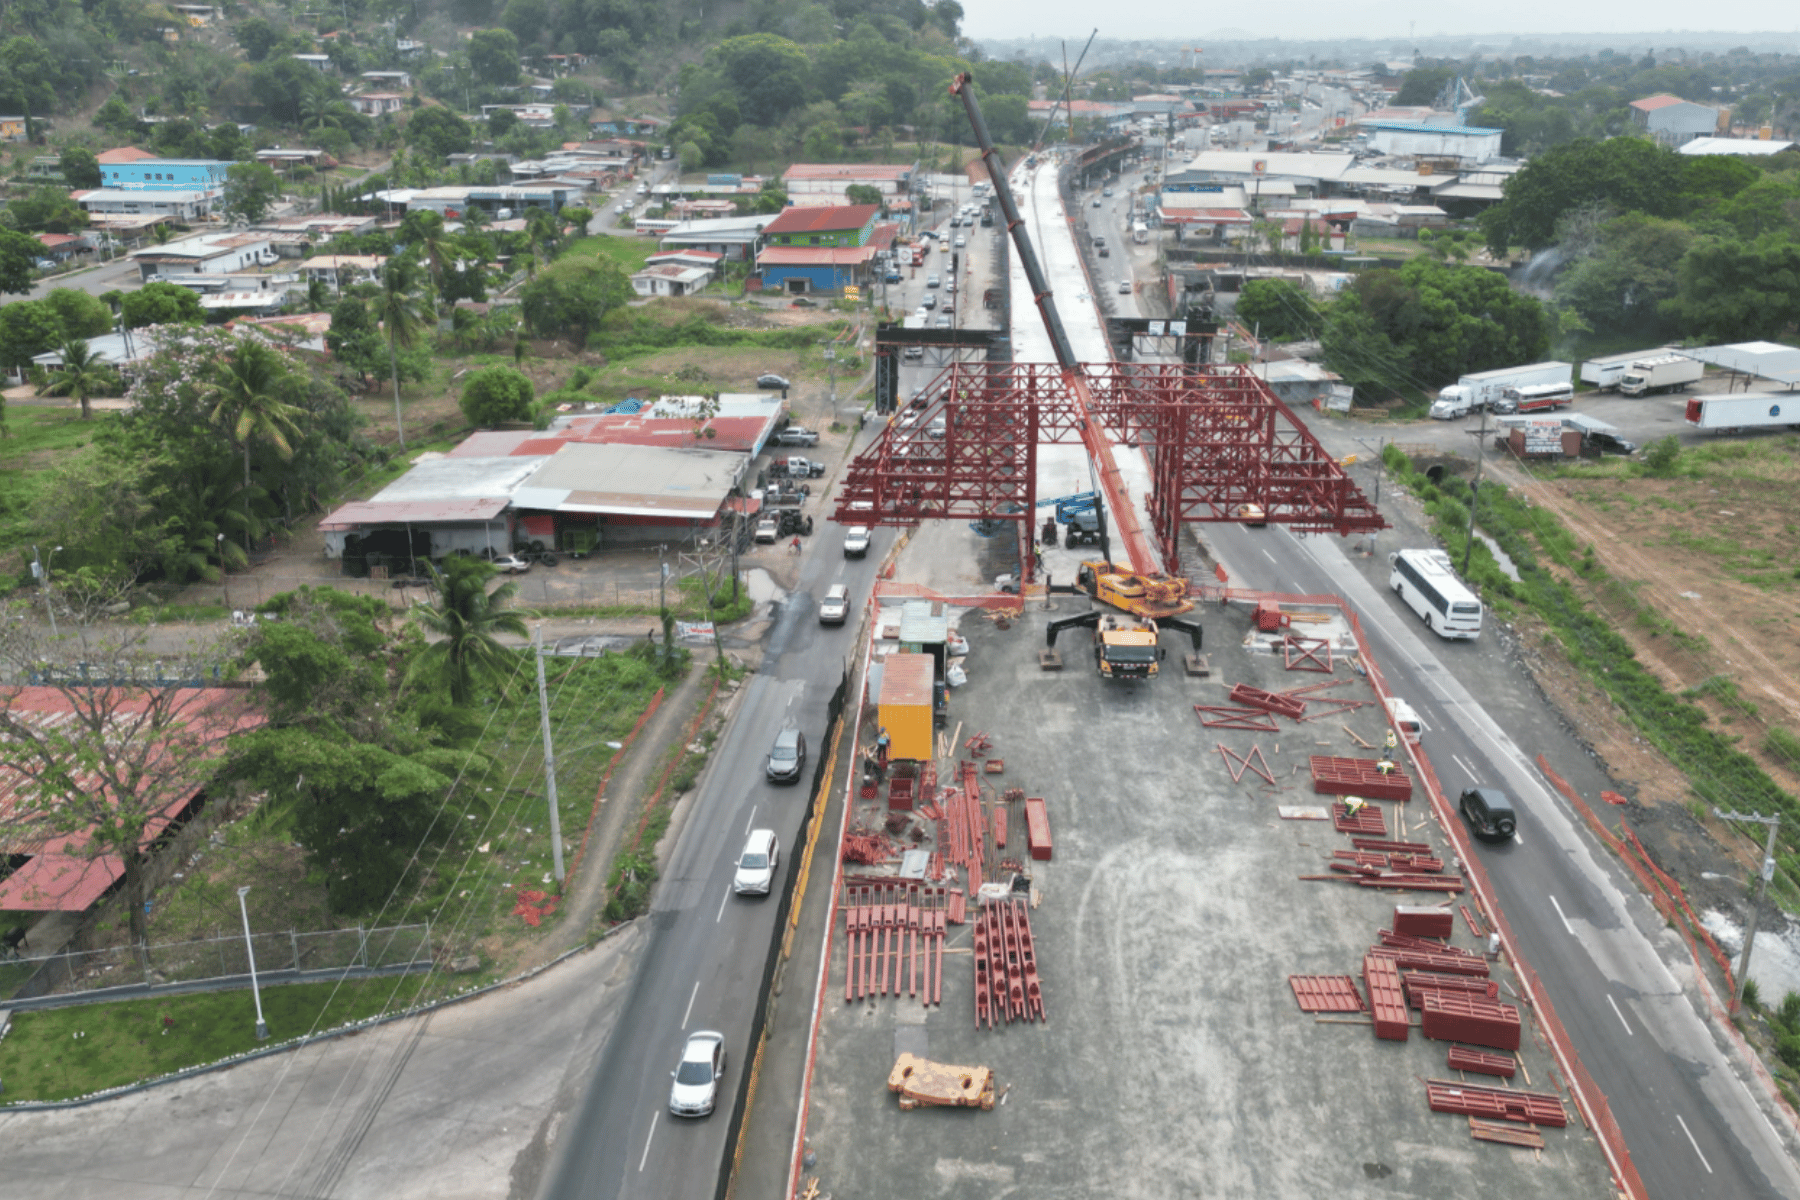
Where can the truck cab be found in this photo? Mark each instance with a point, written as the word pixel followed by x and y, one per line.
pixel 1125 647
pixel 1452 402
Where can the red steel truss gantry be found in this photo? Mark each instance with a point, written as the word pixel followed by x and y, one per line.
pixel 1216 439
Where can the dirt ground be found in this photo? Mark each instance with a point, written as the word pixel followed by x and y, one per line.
pixel 1715 558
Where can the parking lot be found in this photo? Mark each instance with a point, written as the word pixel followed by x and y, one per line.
pixel 1173 1060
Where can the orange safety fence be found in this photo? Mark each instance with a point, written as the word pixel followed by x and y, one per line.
pixel 1679 895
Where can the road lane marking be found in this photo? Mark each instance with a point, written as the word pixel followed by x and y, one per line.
pixel 652 1137
pixel 1620 1015
pixel 1694 1144
pixel 1559 913
pixel 1517 840
pixel 752 818
pixel 1466 768
pixel 1270 557
pixel 726 899
pixel 690 1007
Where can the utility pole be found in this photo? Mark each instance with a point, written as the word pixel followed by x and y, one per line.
pixel 262 1028
pixel 1762 886
pixel 1475 492
pixel 556 859
pixel 42 571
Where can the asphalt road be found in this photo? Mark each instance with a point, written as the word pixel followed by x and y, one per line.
pixel 702 963
pixel 1693 1128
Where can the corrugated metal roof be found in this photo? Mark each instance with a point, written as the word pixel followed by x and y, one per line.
pixel 1652 103
pixel 1415 127
pixel 822 218
pixel 846 171
pixel 688 484
pixel 418 512
pixel 906 680
pixel 1766 360
pixel 441 479
pixel 814 256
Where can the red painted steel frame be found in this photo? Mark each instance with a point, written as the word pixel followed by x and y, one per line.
pixel 1216 438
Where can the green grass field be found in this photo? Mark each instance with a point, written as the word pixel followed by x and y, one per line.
pixel 629 251
pixel 37 439
pixel 68 1052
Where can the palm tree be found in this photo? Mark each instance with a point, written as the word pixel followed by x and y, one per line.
pixel 540 229
pixel 83 375
pixel 247 404
pixel 397 308
pixel 464 654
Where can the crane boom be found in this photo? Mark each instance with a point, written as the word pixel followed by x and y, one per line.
pixel 1138 546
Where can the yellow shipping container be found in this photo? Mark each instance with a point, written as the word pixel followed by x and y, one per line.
pixel 904 707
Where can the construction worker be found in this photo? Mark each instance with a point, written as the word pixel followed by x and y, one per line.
pixel 1385 767
pixel 1391 741
pixel 1353 805
pixel 881 745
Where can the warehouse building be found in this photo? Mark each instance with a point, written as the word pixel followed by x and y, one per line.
pixel 1673 121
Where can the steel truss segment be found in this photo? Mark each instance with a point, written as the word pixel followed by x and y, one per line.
pixel 1216 438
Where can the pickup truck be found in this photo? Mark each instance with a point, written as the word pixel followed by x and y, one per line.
pixel 797 435
pixel 795 467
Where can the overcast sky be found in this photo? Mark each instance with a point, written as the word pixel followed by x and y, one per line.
pixel 1311 19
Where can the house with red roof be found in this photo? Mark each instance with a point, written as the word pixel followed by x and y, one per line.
pixel 821 249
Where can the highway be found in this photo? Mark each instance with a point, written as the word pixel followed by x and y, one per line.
pixel 1693 1127
pixel 702 963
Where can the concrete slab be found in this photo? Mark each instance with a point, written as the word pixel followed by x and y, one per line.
pixel 1174 1060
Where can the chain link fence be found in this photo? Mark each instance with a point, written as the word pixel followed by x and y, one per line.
pixel 278 956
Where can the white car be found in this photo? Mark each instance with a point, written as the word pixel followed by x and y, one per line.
pixel 696 1086
pixel 856 541
pixel 767 530
pixel 512 564
pixel 834 609
pixel 756 865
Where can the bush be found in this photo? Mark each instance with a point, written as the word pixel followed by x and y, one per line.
pixel 494 395
pixel 1661 455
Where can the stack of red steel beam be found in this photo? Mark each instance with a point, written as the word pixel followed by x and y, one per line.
pixel 1387 1000
pixel 1413 921
pixel 1419 982
pixel 894 935
pixel 1461 1058
pixel 1459 1017
pixel 1447 960
pixel 1336 776
pixel 1007 987
pixel 866 847
pixel 1366 820
pixel 1507 1104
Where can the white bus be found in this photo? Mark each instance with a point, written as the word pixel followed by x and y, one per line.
pixel 1426 583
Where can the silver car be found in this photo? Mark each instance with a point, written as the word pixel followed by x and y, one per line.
pixel 696 1086
pixel 834 609
pixel 756 865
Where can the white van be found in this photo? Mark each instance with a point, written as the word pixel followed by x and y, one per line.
pixel 1405 721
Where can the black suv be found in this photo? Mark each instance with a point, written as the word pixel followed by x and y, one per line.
pixel 1489 812
pixel 788 755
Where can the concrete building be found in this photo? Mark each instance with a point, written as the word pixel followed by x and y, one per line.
pixel 220 253
pixel 339 271
pixel 165 174
pixel 734 238
pixel 670 279
pixel 810 184
pixel 375 104
pixel 1673 121
pixel 818 249
pixel 452 202
pixel 12 129
pixel 389 79
pixel 319 62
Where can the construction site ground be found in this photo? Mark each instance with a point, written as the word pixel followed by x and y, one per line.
pixel 1174 1059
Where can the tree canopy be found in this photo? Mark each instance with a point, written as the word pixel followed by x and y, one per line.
pixel 494 395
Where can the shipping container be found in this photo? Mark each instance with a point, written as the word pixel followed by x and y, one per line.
pixel 1747 410
pixel 904 707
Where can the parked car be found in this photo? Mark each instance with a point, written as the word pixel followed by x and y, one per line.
pixel 932 281
pixel 767 530
pixel 929 303
pixel 797 435
pixel 1489 812
pixel 1124 287
pixel 512 564
pixel 696 1076
pixel 756 865
pixel 773 383
pixel 787 756
pixel 856 541
pixel 835 607
pixel 1607 443
pixel 1106 191
pixel 913 354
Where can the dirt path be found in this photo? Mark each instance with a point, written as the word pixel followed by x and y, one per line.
pixel 585 895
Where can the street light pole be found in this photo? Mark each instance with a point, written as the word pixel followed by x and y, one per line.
pixel 262 1029
pixel 42 570
pixel 1762 886
pixel 1475 491
pixel 224 579
pixel 556 857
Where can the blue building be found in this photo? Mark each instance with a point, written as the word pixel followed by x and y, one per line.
pixel 166 174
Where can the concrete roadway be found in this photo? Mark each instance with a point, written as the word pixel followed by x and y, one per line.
pixel 1694 1128
pixel 701 965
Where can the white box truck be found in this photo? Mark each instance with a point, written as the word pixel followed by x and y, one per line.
pixel 1603 373
pixel 1746 410
pixel 1660 374
pixel 1480 390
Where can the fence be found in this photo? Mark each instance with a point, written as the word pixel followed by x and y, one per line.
pixel 278 955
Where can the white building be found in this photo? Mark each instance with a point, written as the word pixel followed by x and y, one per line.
pixel 1672 120
pixel 670 279
pixel 1466 142
pixel 225 252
